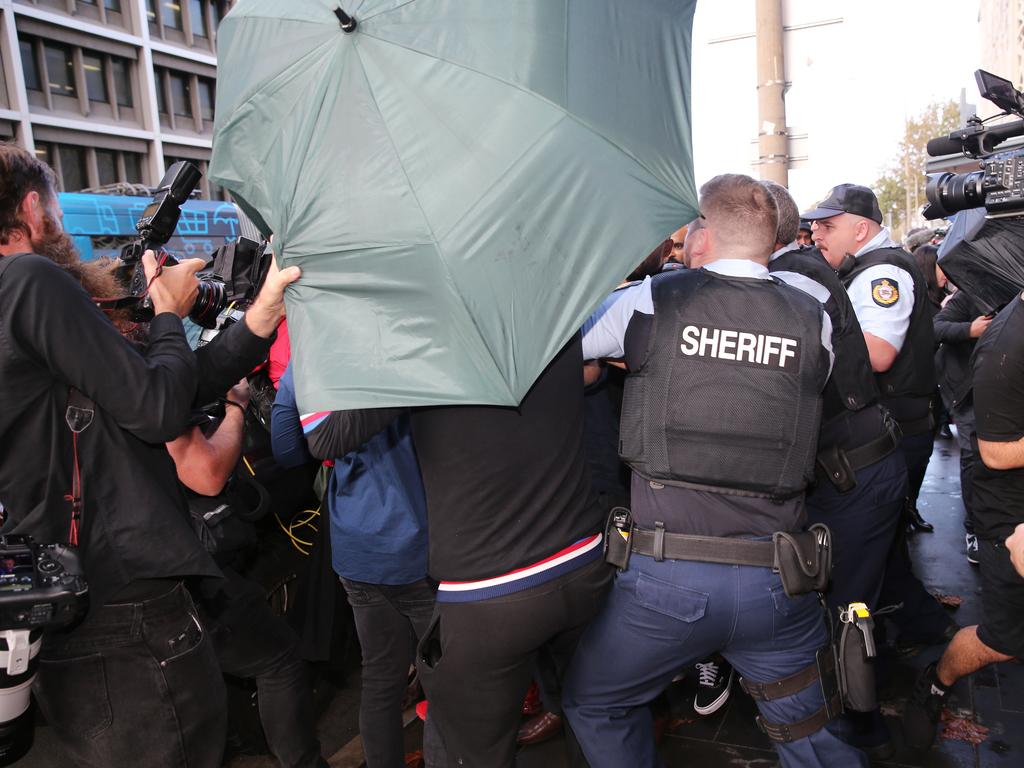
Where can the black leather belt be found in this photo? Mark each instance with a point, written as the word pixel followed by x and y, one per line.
pixel 875 450
pixel 702 549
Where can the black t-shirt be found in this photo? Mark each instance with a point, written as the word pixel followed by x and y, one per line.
pixel 998 495
pixel 507 487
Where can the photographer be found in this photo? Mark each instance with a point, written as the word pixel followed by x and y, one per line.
pixel 137 678
pixel 250 641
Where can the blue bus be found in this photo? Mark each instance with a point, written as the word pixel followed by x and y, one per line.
pixel 102 224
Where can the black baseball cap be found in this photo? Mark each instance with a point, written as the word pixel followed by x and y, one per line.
pixel 847 198
pixel 804 224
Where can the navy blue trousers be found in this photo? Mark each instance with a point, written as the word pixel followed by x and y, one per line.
pixel 864 522
pixel 660 618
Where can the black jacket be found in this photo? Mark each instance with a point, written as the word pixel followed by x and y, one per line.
pixel 134 522
pixel 952 327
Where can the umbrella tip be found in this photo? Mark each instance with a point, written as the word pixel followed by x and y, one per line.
pixel 348 24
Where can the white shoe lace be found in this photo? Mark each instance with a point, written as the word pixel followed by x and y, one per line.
pixel 708 673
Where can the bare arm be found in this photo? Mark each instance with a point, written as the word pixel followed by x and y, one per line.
pixel 999 455
pixel 882 353
pixel 204 464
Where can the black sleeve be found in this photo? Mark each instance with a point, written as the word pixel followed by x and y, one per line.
pixel 999 377
pixel 232 354
pixel 953 321
pixel 52 321
pixel 341 432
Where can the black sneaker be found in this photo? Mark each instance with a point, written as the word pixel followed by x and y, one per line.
pixel 924 707
pixel 972 548
pixel 714 683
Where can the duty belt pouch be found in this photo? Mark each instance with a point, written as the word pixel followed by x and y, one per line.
pixel 857 661
pixel 836 467
pixel 618 543
pixel 804 560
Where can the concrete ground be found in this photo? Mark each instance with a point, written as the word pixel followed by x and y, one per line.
pixel 988 707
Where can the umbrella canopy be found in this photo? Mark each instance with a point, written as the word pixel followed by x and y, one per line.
pixel 461 181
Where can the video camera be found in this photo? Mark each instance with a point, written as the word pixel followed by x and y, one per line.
pixel 233 276
pixel 983 252
pixel 999 185
pixel 41 587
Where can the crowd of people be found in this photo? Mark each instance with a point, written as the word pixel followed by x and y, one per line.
pixel 709 476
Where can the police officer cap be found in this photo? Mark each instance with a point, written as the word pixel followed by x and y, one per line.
pixel 847 198
pixel 804 224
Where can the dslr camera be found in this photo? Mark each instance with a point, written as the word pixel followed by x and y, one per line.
pixel 232 277
pixel 983 252
pixel 41 587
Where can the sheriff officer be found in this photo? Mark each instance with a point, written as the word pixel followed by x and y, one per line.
pixel 889 295
pixel 719 425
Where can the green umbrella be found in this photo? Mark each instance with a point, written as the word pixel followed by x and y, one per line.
pixel 461 181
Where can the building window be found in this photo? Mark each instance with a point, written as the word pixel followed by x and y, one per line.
pixel 189 22
pixel 93 83
pixel 78 167
pixel 29 66
pixel 197 18
pixel 206 99
pixel 170 14
pixel 181 95
pixel 122 81
pixel 105 12
pixel 185 101
pixel 95 77
pixel 60 70
pixel 106 166
pixel 73 173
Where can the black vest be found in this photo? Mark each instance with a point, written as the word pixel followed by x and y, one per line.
pixel 727 395
pixel 907 386
pixel 851 387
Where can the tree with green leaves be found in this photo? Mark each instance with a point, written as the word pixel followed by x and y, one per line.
pixel 900 188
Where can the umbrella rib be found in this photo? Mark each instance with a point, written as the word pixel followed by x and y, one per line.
pixel 565 112
pixel 430 226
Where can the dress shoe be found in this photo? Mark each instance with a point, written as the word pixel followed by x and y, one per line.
pixel 916 522
pixel 531 703
pixel 539 728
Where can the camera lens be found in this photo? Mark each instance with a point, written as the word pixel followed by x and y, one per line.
pixel 210 302
pixel 949 193
pixel 16 722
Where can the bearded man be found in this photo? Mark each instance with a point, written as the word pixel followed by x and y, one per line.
pixel 83 463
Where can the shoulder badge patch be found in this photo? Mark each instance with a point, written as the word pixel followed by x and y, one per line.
pixel 885 291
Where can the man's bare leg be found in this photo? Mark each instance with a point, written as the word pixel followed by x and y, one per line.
pixel 966 654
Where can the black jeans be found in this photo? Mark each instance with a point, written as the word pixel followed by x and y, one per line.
pixel 389 619
pixel 477 659
pixel 254 643
pixel 135 684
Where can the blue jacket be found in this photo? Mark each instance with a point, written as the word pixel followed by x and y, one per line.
pixel 376 502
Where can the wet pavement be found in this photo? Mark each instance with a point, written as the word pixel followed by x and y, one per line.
pixel 987 729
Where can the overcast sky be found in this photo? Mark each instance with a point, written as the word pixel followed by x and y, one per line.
pixel 854 79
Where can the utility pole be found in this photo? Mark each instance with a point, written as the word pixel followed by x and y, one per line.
pixel 773 154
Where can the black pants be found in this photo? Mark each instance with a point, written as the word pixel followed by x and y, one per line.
pixel 390 619
pixel 254 643
pixel 476 661
pixel 135 684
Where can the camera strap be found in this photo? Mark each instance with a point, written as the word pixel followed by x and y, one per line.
pixel 78 416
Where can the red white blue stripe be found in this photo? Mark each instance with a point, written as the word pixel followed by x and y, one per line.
pixel 311 421
pixel 577 555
